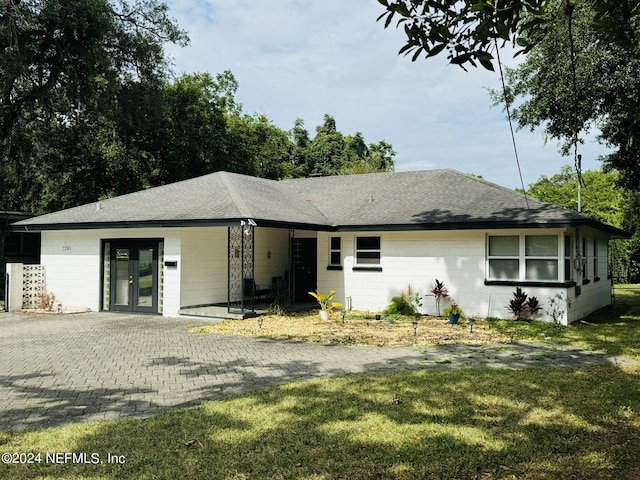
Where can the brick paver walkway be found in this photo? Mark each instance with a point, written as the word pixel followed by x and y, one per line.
pixel 57 370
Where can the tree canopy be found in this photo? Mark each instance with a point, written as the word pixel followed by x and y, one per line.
pixel 604 93
pixel 469 31
pixel 63 66
pixel 603 200
pixel 89 109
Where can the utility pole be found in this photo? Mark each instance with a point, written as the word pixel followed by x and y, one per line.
pixel 579 172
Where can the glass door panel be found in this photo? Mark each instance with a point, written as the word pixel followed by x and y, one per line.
pixel 122 278
pixel 145 278
pixel 134 276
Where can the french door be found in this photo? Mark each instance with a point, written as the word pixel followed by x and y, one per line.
pixel 134 276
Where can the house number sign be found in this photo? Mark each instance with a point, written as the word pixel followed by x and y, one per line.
pixel 66 248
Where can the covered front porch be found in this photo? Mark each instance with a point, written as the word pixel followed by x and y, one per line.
pixel 239 271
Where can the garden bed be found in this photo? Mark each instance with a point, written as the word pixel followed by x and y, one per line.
pixel 360 328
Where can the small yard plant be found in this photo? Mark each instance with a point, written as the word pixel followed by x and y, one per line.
pixel 408 303
pixel 281 304
pixel 439 291
pixel 523 307
pixel 453 308
pixel 326 300
pixel 45 301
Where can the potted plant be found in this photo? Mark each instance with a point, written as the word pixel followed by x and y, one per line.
pixel 326 303
pixel 453 311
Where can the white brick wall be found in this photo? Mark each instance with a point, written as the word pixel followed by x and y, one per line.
pixel 72 262
pixel 456 257
pixel 204 266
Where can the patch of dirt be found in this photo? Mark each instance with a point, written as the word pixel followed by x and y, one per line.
pixel 359 331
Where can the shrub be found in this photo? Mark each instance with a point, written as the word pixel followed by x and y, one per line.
pixel 281 304
pixel 523 307
pixel 401 306
pixel 45 301
pixel 407 303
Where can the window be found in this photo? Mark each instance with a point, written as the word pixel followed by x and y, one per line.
pixel 541 257
pixel 584 259
pixel 368 251
pixel 595 259
pixel 523 258
pixel 335 255
pixel 504 257
pixel 567 258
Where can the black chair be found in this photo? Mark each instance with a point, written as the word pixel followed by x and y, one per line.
pixel 250 288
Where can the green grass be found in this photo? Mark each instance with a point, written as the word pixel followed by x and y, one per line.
pixel 614 329
pixel 456 424
pixel 463 424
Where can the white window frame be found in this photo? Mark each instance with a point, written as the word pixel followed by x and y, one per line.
pixel 332 251
pixel 585 262
pixel 522 257
pixel 595 259
pixel 568 264
pixel 504 257
pixel 368 250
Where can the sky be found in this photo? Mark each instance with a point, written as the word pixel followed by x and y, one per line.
pixel 307 58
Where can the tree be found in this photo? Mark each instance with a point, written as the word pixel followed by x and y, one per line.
pixel 76 46
pixel 62 63
pixel 602 200
pixel 332 153
pixel 326 150
pixel 255 146
pixel 605 91
pixel 378 157
pixel 173 130
pixel 469 31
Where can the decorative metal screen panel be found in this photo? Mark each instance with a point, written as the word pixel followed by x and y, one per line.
pixel 106 276
pixel 241 281
pixel 161 277
pixel 32 285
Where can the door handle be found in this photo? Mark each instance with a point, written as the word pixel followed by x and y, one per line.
pixel 130 279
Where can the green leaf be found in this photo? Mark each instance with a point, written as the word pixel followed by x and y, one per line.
pixel 486 64
pixel 402 9
pixel 478 7
pixel 436 50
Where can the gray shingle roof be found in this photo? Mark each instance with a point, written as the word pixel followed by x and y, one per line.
pixel 433 199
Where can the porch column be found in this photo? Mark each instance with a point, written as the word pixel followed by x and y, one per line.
pixel 240 271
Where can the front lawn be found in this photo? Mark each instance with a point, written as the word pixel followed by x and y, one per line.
pixel 464 424
pixel 471 424
pixel 614 329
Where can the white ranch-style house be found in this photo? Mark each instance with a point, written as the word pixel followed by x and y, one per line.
pixel 226 239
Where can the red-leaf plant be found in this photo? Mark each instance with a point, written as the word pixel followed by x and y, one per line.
pixel 523 307
pixel 439 291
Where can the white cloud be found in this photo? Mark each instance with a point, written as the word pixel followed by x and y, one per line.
pixel 305 58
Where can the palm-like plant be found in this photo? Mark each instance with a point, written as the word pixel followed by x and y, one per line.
pixel 325 300
pixel 439 291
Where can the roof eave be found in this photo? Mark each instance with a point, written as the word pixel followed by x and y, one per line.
pixel 36 227
pixel 484 225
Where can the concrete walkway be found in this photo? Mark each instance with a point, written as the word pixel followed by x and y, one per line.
pixel 57 370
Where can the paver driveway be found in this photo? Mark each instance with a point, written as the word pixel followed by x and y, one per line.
pixel 57 370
